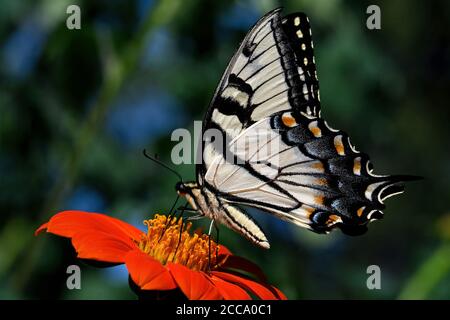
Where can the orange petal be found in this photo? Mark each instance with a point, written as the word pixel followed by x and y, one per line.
pixel 239 263
pixel 230 291
pixel 280 294
pixel 194 284
pixel 148 273
pixel 262 291
pixel 67 223
pixel 223 250
pixel 101 246
pixel 41 229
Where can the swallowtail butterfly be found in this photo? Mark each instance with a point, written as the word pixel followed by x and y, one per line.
pixel 319 181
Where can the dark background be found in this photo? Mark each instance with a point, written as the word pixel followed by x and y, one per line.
pixel 78 106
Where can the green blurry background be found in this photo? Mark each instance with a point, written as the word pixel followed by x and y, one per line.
pixel 78 106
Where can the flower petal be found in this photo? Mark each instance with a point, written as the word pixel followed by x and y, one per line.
pixel 239 263
pixel 67 223
pixel 101 246
pixel 41 229
pixel 223 250
pixel 148 273
pixel 280 294
pixel 262 291
pixel 194 284
pixel 230 291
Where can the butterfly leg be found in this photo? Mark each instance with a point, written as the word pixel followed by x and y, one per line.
pixel 186 209
pixel 216 253
pixel 180 216
pixel 196 217
pixel 169 217
pixel 217 241
pixel 173 206
pixel 209 243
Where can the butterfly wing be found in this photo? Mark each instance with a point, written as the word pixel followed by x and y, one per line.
pixel 273 70
pixel 266 146
pixel 301 170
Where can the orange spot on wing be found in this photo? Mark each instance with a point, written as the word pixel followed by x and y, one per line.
pixel 339 146
pixel 288 120
pixel 340 149
pixel 309 210
pixel 314 128
pixel 322 181
pixel 332 219
pixel 316 131
pixel 357 166
pixel 319 199
pixel 360 211
pixel 318 166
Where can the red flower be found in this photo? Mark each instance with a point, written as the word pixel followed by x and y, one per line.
pixel 167 257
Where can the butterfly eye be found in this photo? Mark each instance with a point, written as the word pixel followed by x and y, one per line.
pixel 180 187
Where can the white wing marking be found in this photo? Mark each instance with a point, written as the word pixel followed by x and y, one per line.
pixel 303 194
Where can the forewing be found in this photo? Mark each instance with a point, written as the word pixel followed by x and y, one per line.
pixel 273 70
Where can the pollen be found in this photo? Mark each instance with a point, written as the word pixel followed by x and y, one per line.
pixel 171 240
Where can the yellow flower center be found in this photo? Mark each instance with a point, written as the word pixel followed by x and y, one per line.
pixel 170 240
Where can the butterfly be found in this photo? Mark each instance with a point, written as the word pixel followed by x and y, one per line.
pixel 276 153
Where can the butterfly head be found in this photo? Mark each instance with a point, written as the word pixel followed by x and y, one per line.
pixel 185 188
pixel 181 188
pixel 190 191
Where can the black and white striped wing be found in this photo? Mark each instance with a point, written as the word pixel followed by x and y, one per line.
pixel 273 70
pixel 277 154
pixel 301 170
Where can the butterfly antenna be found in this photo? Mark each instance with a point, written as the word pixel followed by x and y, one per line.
pixel 170 215
pixel 217 242
pixel 162 164
pixel 174 204
pixel 169 218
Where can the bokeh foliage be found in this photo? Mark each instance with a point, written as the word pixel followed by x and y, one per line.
pixel 78 106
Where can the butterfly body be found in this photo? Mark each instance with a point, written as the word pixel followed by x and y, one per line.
pixel 207 203
pixel 266 146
